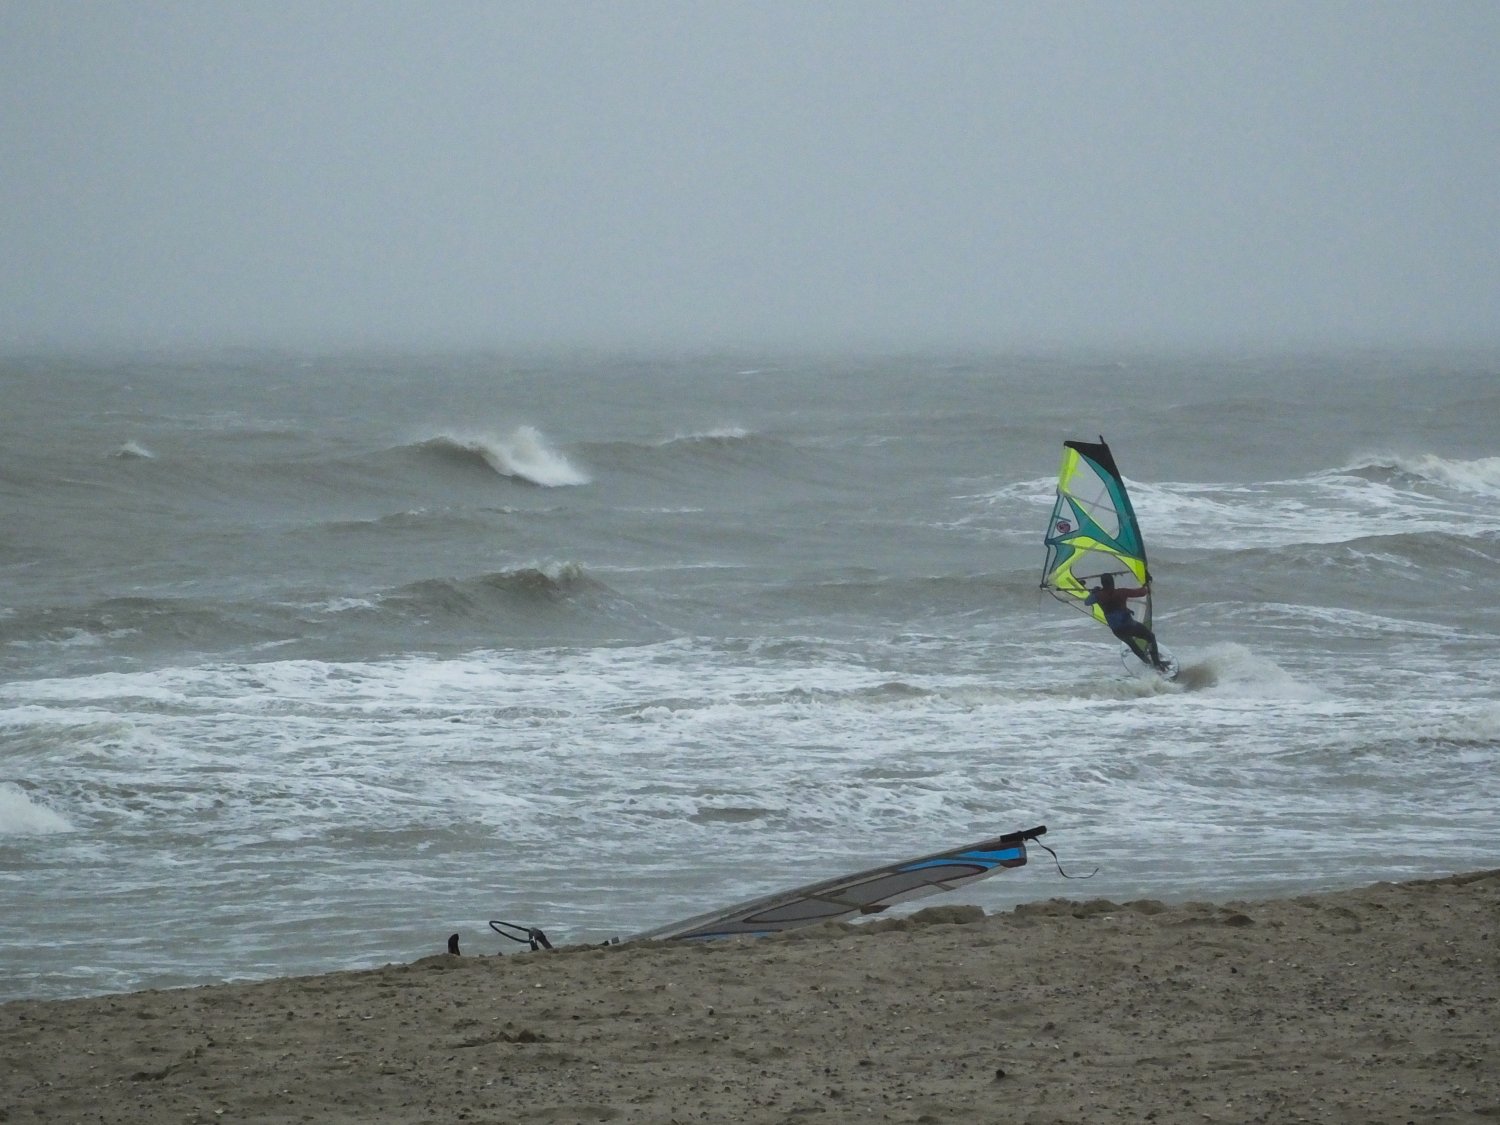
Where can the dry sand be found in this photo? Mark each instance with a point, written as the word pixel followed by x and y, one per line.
pixel 1373 1005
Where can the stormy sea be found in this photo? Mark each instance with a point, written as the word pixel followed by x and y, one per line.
pixel 307 661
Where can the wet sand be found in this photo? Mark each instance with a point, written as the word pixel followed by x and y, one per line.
pixel 1374 1005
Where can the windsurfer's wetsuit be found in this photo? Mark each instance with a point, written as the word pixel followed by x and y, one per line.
pixel 1117 615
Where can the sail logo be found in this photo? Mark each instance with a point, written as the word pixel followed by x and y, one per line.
pixel 1063 527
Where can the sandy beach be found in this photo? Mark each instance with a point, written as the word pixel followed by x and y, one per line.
pixel 1370 1005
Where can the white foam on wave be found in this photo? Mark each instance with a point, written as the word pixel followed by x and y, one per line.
pixel 527 454
pixel 164 688
pixel 1328 508
pixel 21 816
pixel 713 435
pixel 72 638
pixel 1332 620
pixel 1039 490
pixel 1480 475
pixel 723 767
pixel 133 451
pixel 1468 725
pixel 1334 506
pixel 345 604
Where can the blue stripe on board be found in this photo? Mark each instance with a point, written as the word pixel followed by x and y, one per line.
pixel 988 859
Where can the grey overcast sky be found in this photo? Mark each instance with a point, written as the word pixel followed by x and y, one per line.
pixel 776 172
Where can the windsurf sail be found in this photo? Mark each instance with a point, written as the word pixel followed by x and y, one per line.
pixel 864 893
pixel 1093 532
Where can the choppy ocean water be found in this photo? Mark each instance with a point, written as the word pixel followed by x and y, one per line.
pixel 311 661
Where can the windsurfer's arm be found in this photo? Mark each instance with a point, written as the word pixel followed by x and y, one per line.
pixel 1138 592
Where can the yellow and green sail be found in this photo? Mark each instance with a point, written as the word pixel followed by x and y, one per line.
pixel 1093 532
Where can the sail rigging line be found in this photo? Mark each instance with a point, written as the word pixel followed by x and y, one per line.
pixel 525 935
pixel 1059 865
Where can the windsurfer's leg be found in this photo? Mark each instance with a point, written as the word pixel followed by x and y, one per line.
pixel 1150 638
pixel 1136 629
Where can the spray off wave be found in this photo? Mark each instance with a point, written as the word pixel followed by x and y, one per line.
pixel 20 816
pixel 1479 476
pixel 524 454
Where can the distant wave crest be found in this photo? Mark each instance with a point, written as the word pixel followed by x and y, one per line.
pixel 1374 497
pixel 718 436
pixel 729 447
pixel 132 451
pixel 524 454
pixel 525 601
pixel 538 584
pixel 1480 475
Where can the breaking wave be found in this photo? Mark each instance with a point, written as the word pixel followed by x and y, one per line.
pixel 468 596
pixel 132 451
pixel 1480 475
pixel 21 816
pixel 1449 501
pixel 524 454
pixel 516 604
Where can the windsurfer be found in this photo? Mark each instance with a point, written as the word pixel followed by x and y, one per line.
pixel 1117 614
